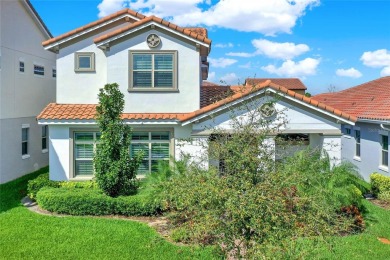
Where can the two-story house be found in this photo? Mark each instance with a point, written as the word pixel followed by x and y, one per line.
pixel 366 144
pixel 27 84
pixel 159 67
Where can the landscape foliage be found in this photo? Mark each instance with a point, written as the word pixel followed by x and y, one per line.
pixel 256 207
pixel 115 170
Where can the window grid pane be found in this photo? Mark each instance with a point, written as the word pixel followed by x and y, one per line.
pixel 39 70
pixel 21 66
pixel 25 141
pixel 85 62
pixel 153 70
pixel 156 147
pixel 357 138
pixel 385 150
pixel 84 150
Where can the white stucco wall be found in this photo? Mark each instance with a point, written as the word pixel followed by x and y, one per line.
pixel 113 66
pixel 59 157
pixel 22 95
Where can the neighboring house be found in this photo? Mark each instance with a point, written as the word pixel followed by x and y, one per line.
pixel 27 84
pixel 366 144
pixel 159 68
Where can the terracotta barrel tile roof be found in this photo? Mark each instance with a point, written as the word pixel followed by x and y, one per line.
pixel 55 111
pixel 90 25
pixel 87 112
pixel 289 83
pixel 370 100
pixel 189 32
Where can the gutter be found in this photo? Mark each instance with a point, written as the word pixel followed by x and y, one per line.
pixel 385 128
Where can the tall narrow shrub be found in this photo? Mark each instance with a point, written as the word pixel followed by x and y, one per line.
pixel 115 171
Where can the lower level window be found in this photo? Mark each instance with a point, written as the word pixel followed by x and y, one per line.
pixel 357 139
pixel 155 147
pixel 84 149
pixel 385 150
pixel 25 140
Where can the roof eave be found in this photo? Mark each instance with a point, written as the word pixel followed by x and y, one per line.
pixel 106 42
pixel 56 44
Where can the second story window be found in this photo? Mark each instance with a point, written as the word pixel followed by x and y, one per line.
pixel 153 70
pixel 21 66
pixel 54 73
pixel 84 61
pixel 39 70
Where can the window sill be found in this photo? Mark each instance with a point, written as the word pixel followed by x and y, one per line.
pixel 45 150
pixel 153 90
pixel 81 178
pixel 356 158
pixel 26 156
pixel 384 168
pixel 347 136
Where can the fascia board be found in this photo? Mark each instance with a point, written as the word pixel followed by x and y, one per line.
pixel 138 28
pixel 50 46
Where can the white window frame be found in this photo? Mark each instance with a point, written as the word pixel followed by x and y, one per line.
pixel 54 73
pixel 150 142
pixel 27 128
pixel 45 139
pixel 384 152
pixel 38 72
pixel 147 89
pixel 74 143
pixel 78 55
pixel 22 69
pixel 358 150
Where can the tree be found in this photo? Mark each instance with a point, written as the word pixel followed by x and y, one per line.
pixel 115 170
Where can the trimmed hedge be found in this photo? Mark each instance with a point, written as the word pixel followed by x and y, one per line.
pixel 94 202
pixel 380 184
pixel 38 183
pixel 43 180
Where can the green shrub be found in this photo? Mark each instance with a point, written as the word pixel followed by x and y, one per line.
pixel 303 197
pixel 379 183
pixel 43 180
pixel 39 182
pixel 94 202
pixel 385 195
pixel 79 184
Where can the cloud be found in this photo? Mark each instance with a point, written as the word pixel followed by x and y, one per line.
pixel 352 73
pixel 107 7
pixel 230 79
pixel 240 54
pixel 266 17
pixel 290 68
pixel 376 59
pixel 222 45
pixel 221 62
pixel 276 50
pixel 385 71
pixel 248 65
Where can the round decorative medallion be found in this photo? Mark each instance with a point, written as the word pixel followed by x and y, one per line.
pixel 267 110
pixel 153 40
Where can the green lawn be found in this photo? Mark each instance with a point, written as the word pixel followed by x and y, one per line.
pixel 27 235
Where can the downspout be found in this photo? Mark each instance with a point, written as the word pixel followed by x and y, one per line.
pixel 385 128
